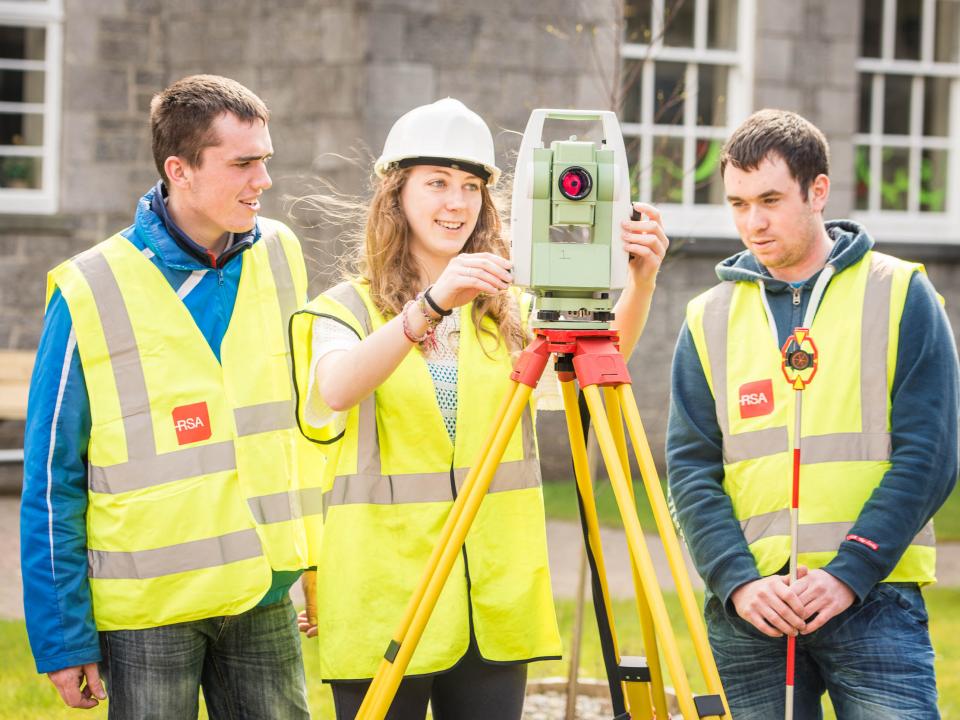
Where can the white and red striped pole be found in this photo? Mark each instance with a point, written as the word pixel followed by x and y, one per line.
pixel 799 360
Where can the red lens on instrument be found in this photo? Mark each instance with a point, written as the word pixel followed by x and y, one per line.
pixel 575 183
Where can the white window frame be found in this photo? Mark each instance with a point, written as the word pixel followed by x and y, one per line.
pixel 911 225
pixel 688 219
pixel 47 14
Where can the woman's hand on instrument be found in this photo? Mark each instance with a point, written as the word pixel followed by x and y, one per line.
pixel 469 274
pixel 646 243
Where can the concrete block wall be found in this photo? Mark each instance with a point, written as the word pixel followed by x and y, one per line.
pixel 805 61
pixel 337 73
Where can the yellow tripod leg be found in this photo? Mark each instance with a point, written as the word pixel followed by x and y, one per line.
pixel 658 692
pixel 581 471
pixel 671 544
pixel 637 694
pixel 640 554
pixel 382 690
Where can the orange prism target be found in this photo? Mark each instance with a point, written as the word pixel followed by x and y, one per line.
pixel 800 358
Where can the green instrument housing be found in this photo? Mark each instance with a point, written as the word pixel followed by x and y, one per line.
pixel 572 277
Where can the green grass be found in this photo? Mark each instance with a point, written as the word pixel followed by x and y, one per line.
pixel 560 500
pixel 24 694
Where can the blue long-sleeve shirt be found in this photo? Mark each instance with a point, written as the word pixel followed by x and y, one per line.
pixel 53 535
pixel 924 459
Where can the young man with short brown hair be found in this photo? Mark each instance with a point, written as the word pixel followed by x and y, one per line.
pixel 878 444
pixel 163 520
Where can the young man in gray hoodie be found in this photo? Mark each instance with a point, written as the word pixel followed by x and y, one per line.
pixel 878 444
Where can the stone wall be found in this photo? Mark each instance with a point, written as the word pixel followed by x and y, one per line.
pixel 806 52
pixel 337 73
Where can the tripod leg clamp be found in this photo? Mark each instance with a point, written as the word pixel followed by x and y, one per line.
pixel 709 705
pixel 392 649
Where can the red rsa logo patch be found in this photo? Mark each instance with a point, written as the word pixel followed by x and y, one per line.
pixel 756 398
pixel 192 423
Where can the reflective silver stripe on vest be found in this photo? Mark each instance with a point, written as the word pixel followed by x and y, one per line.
pixel 813 537
pixel 283 506
pixel 745 445
pixel 346 294
pixel 265 417
pixel 873 443
pixel 124 355
pixel 182 557
pixel 844 447
pixel 282 277
pixel 168 467
pixel 874 341
pixel 369 486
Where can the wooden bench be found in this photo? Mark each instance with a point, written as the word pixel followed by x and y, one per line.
pixel 15 369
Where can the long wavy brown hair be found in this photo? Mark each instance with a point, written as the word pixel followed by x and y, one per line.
pixel 384 260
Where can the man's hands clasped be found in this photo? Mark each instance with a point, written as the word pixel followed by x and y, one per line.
pixel 776 608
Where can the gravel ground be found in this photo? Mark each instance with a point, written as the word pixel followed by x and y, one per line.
pixel 552 706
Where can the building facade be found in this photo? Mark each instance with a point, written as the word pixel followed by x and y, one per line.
pixel 880 77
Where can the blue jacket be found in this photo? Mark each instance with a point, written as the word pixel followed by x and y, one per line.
pixel 53 534
pixel 924 433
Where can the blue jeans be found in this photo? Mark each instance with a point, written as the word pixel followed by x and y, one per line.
pixel 249 666
pixel 874 659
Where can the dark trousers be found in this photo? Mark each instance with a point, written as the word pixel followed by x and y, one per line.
pixel 471 690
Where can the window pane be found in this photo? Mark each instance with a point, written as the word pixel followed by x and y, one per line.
pixel 896 179
pixel 936 106
pixel 722 27
pixel 678 23
pixel 947 31
pixel 637 14
pixel 21 129
pixel 908 30
pixel 669 93
pixel 712 95
pixel 896 105
pixel 709 186
pixel 20 172
pixel 933 181
pixel 632 91
pixel 21 86
pixel 861 160
pixel 866 102
pixel 21 43
pixel 667 171
pixel 871 29
pixel 632 145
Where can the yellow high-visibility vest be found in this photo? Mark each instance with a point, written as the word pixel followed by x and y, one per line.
pixel 194 487
pixel 391 479
pixel 845 426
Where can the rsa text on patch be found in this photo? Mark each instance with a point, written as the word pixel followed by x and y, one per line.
pixel 192 423
pixel 756 398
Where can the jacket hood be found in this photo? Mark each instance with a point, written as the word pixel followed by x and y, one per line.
pixel 175 248
pixel 850 243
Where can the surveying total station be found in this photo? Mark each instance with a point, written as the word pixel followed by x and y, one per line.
pixel 568 201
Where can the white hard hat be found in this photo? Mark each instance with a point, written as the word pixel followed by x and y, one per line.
pixel 444 133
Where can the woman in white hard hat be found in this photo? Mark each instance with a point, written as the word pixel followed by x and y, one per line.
pixel 402 428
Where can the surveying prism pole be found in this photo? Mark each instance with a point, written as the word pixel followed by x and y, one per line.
pixel 800 358
pixel 596 361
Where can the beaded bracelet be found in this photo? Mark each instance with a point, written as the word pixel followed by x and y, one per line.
pixel 428 339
